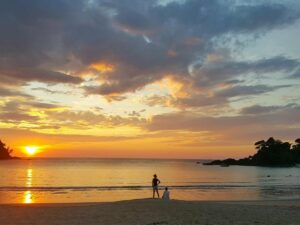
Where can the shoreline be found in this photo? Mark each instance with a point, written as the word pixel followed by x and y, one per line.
pixel 154 212
pixel 110 196
pixel 264 201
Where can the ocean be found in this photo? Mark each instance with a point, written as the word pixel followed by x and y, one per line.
pixel 104 180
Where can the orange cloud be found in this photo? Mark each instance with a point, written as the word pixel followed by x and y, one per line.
pixel 176 87
pixel 102 67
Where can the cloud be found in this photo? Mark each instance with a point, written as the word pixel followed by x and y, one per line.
pixel 259 109
pixel 45 116
pixel 45 76
pixel 217 17
pixel 213 98
pixel 134 114
pixel 42 105
pixel 135 22
pixel 237 91
pixel 49 91
pixel 245 126
pixel 26 112
pixel 113 48
pixel 58 138
pixel 28 103
pixel 4 92
pixel 17 117
pixel 214 82
pixel 215 72
pixel 31 48
pixel 295 74
pixel 55 41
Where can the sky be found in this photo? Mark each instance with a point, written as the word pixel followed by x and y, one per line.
pixel 155 79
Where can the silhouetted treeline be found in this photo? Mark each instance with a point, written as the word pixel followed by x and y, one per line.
pixel 5 152
pixel 273 153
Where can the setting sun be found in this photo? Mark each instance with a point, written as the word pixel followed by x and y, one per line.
pixel 31 150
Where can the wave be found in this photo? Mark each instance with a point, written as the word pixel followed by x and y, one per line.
pixel 137 187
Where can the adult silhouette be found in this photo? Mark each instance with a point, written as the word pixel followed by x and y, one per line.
pixel 155 183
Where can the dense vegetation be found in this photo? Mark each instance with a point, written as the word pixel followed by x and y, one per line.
pixel 273 153
pixel 5 152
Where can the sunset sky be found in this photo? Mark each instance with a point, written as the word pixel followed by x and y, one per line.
pixel 148 78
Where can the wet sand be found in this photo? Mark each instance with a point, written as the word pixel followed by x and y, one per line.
pixel 155 212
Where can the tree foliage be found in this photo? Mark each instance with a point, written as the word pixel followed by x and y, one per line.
pixel 271 153
pixel 5 151
pixel 296 149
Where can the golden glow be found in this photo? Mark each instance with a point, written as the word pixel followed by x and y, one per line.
pixel 27 196
pixel 29 178
pixel 124 131
pixel 38 113
pixel 102 67
pixel 31 150
pixel 176 88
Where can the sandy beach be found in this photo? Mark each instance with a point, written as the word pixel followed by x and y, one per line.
pixel 151 212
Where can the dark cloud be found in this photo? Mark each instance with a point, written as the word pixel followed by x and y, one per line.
pixel 240 126
pixel 40 75
pixel 134 21
pixel 219 98
pixel 42 105
pixel 259 109
pixel 216 17
pixel 4 92
pixel 17 104
pixel 200 100
pixel 212 73
pixel 49 91
pixel 41 39
pixel 17 117
pixel 10 107
pixel 237 91
pixel 30 44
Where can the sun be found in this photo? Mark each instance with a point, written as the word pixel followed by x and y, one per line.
pixel 31 150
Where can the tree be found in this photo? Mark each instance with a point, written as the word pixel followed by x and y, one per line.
pixel 272 152
pixel 296 150
pixel 5 152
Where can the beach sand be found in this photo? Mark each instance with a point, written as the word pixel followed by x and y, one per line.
pixel 155 212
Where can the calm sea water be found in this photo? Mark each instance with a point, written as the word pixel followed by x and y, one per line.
pixel 96 180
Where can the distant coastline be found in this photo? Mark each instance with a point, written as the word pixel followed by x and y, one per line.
pixel 271 153
pixel 13 157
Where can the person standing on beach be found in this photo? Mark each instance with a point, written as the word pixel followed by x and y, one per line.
pixel 155 183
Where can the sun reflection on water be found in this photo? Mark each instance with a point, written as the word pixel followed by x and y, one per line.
pixel 27 196
pixel 29 178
